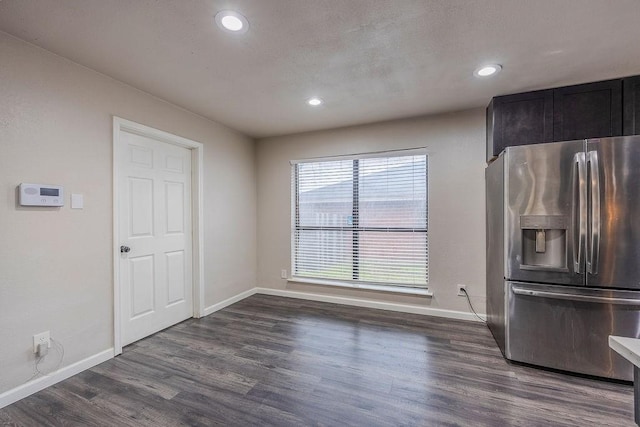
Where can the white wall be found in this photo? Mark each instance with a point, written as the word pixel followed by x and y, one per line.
pixel 456 147
pixel 56 264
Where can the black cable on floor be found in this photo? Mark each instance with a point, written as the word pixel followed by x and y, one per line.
pixel 470 305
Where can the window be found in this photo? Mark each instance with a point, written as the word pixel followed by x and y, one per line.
pixel 362 220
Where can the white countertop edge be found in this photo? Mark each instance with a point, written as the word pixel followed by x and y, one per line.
pixel 629 348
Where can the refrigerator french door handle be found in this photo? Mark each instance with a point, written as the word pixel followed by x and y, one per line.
pixel 576 297
pixel 594 237
pixel 579 211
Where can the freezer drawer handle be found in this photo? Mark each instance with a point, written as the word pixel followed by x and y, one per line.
pixel 572 297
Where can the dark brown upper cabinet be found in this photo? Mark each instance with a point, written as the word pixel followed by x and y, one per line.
pixel 589 110
pixel 631 105
pixel 524 118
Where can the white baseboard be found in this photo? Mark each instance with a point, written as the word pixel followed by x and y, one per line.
pixel 357 302
pixel 381 305
pixel 219 306
pixel 24 390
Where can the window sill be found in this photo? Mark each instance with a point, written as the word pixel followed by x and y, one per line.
pixel 368 286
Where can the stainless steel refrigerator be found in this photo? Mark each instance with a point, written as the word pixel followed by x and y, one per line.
pixel 563 253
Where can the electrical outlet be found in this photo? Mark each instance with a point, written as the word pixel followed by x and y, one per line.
pixel 460 288
pixel 283 274
pixel 41 338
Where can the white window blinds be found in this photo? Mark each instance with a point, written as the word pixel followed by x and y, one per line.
pixel 362 220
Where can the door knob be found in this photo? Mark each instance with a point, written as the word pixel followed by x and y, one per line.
pixel 124 249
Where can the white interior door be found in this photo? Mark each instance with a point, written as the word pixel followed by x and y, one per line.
pixel 155 231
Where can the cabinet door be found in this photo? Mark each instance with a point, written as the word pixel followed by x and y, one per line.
pixel 631 109
pixel 520 119
pixel 590 110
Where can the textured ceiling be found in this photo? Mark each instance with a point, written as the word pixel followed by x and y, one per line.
pixel 370 60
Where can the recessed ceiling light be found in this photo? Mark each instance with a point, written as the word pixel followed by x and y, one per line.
pixel 232 22
pixel 487 70
pixel 314 102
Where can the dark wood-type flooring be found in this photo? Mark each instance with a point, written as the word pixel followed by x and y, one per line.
pixel 286 362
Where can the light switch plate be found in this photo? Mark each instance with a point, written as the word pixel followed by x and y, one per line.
pixel 77 201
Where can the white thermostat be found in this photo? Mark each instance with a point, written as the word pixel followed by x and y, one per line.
pixel 41 195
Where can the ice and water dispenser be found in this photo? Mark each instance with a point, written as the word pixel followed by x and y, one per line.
pixel 544 242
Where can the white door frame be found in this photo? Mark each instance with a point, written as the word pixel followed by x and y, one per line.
pixel 119 125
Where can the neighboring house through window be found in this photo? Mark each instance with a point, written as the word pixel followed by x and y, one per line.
pixel 362 219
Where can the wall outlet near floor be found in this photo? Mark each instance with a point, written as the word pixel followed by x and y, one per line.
pixel 283 274
pixel 41 338
pixel 460 288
